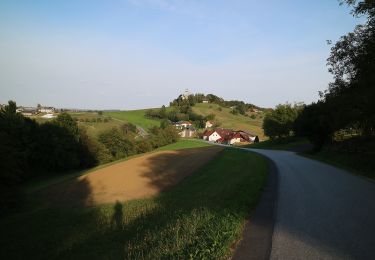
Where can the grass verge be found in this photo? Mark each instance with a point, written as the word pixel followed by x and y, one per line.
pixel 358 163
pixel 288 144
pixel 200 218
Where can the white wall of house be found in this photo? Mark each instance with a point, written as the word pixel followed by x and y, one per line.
pixel 46 110
pixel 214 137
pixel 208 124
pixel 187 133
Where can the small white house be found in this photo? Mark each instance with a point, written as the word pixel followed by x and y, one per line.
pixel 214 137
pixel 205 101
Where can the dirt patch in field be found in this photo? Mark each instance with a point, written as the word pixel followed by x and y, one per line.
pixel 136 178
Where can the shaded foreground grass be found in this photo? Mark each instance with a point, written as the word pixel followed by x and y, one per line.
pixel 201 217
pixel 357 163
pixel 288 144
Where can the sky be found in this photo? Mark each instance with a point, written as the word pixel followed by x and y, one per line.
pixel 131 54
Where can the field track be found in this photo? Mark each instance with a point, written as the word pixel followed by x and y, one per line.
pixel 132 179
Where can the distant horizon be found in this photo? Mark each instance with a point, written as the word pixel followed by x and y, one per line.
pixel 114 109
pixel 135 54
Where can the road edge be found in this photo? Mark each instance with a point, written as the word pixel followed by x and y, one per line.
pixel 257 235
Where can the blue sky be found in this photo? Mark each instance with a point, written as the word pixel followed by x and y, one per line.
pixel 129 54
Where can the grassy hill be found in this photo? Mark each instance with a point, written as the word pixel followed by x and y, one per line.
pixel 224 115
pixel 136 117
pixel 95 128
pixel 228 120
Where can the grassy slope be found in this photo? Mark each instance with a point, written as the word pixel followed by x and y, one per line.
pixel 228 120
pixel 288 144
pixel 93 129
pixel 360 162
pixel 199 218
pixel 136 117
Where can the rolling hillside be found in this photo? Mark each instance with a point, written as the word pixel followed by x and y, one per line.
pixel 224 115
pixel 136 117
pixel 228 120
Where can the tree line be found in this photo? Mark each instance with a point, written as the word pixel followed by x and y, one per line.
pixel 29 150
pixel 348 103
pixel 238 106
pixel 179 113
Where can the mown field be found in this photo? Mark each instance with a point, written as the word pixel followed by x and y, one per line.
pixel 228 120
pixel 201 217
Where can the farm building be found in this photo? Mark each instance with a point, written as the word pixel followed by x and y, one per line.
pixel 46 110
pixel 188 132
pixel 182 124
pixel 227 136
pixel 28 111
pixel 185 128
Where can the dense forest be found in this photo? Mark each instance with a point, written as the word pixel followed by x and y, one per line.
pixel 29 149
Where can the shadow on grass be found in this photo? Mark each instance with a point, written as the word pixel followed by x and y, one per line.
pixel 199 218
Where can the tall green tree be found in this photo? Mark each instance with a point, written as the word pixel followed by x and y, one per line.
pixel 279 122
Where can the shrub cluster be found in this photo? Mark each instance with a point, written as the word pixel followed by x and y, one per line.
pixel 29 149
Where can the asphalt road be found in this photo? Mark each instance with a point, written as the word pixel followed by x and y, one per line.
pixel 321 212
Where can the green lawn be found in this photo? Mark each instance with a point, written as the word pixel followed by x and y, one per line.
pixel 228 120
pixel 136 117
pixel 200 218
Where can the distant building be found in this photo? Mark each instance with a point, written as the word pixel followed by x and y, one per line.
pixel 185 128
pixel 205 101
pixel 188 132
pixel 209 124
pixel 227 136
pixel 186 94
pixel 182 124
pixel 28 111
pixel 46 109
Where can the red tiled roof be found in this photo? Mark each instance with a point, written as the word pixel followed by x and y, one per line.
pixel 208 133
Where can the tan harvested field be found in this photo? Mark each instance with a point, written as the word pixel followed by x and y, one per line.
pixel 132 179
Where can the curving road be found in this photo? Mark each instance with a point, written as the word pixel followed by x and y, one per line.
pixel 321 212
